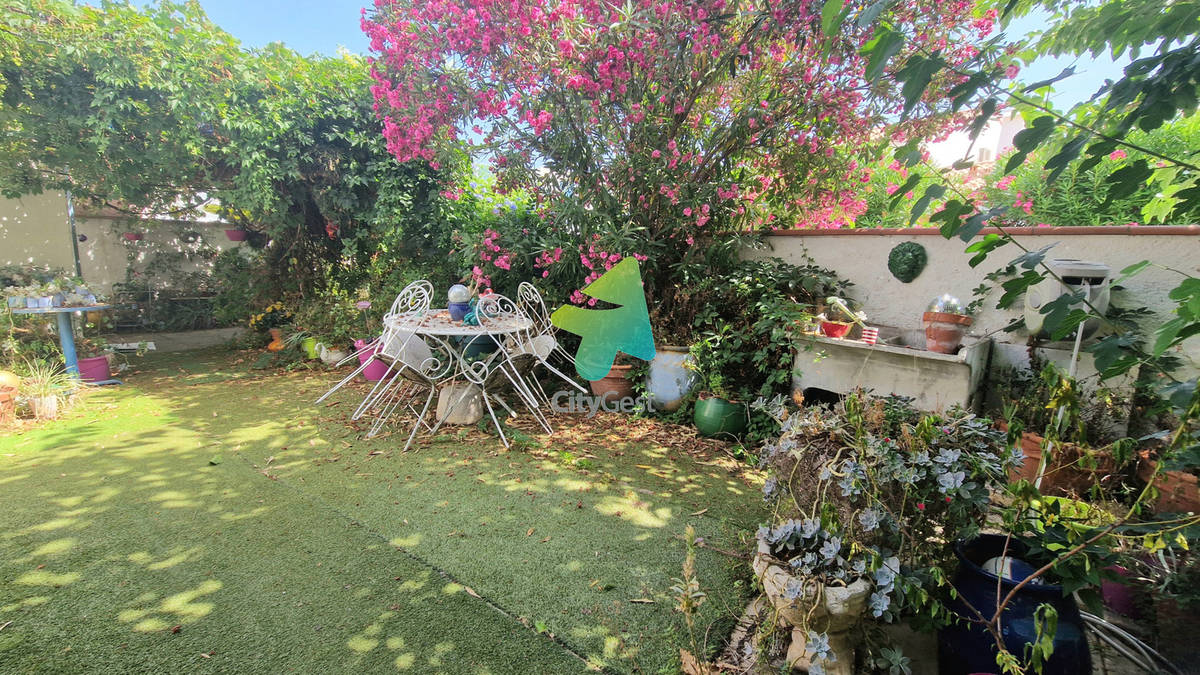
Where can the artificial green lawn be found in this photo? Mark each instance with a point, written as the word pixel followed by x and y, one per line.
pixel 216 499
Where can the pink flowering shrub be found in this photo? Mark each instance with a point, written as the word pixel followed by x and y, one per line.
pixel 657 127
pixel 1081 197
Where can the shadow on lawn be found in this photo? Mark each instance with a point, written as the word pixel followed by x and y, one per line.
pixel 575 534
pixel 122 543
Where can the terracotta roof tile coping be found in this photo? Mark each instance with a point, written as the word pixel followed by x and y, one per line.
pixel 1170 230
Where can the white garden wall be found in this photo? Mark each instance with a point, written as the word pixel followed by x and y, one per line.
pixel 861 256
pixel 35 229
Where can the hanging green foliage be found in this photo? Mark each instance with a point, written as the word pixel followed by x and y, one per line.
pixel 907 260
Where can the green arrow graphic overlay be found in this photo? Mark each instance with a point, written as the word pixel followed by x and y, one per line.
pixel 625 328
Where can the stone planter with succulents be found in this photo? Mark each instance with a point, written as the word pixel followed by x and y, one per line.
pixel 868 499
pixel 32 287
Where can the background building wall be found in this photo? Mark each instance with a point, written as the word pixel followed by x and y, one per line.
pixel 35 229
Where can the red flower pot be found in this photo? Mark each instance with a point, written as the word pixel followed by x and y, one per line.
pixel 133 236
pixel 835 329
pixel 236 235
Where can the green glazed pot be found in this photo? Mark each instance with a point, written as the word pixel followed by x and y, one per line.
pixel 718 417
pixel 478 347
pixel 309 346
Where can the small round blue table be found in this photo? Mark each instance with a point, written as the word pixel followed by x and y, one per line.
pixel 66 336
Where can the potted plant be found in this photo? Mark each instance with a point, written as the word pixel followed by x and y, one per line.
pixel 1065 443
pixel 95 359
pixel 945 324
pixel 236 234
pixel 9 386
pixel 616 385
pixel 838 318
pixel 306 342
pixel 867 497
pixel 45 388
pixel 132 236
pixel 718 412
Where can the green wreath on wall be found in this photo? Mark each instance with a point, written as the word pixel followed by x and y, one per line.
pixel 907 260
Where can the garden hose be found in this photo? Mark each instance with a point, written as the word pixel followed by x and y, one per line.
pixel 1124 643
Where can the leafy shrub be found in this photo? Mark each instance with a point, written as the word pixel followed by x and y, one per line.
pixel 1081 198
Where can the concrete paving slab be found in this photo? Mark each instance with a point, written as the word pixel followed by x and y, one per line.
pixel 177 342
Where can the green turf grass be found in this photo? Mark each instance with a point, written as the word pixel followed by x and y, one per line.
pixel 209 497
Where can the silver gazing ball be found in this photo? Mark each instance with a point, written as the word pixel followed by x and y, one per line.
pixel 946 304
pixel 458 293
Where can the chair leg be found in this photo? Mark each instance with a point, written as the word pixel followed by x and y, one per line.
pixel 504 405
pixel 540 392
pixel 564 377
pixel 341 384
pixel 526 397
pixel 499 429
pixel 354 354
pixel 420 419
pixel 392 402
pixel 375 394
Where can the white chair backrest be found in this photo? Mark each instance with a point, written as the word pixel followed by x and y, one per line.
pixel 413 301
pixel 529 300
pixel 498 315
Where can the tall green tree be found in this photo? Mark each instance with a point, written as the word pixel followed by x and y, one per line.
pixel 158 110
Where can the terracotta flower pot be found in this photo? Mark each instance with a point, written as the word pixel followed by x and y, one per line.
pixel 1177 490
pixel 1065 475
pixel 614 386
pixel 944 332
pixel 133 236
pixel 236 235
pixel 8 404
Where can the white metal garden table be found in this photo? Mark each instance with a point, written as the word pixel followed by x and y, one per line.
pixel 454 338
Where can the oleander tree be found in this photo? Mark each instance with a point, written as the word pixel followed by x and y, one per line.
pixel 663 128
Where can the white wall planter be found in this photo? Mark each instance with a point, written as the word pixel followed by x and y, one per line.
pixel 934 381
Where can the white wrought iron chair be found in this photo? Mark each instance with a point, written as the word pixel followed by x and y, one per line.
pixel 412 302
pixel 414 365
pixel 544 343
